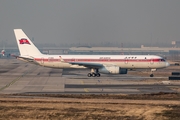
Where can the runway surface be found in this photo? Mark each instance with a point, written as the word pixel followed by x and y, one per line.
pixel 20 77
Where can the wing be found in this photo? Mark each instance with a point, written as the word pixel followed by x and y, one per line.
pixel 88 65
pixel 84 64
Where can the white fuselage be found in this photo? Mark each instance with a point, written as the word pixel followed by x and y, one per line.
pixel 123 61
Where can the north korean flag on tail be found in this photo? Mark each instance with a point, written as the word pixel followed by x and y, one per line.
pixel 24 41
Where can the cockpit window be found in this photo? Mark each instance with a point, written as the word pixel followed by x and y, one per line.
pixel 163 60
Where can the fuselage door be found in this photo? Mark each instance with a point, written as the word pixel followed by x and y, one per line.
pixel 152 61
pixel 126 60
pixel 42 60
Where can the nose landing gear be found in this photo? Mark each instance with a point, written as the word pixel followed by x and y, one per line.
pixel 152 70
pixel 151 75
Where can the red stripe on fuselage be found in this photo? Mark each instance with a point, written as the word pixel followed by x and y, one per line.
pixel 98 60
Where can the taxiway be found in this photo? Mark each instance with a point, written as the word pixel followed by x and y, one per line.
pixel 20 77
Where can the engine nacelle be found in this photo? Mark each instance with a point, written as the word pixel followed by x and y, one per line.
pixel 112 70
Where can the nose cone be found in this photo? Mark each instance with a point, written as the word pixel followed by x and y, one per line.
pixel 167 64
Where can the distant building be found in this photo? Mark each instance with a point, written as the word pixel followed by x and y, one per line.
pixel 175 43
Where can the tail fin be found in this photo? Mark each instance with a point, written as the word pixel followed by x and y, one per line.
pixel 25 45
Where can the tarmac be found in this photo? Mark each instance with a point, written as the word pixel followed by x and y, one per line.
pixel 18 77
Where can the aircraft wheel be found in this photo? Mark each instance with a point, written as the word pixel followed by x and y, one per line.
pixel 98 75
pixel 89 74
pixel 94 74
pixel 151 75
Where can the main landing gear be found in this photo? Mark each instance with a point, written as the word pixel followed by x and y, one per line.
pixel 94 73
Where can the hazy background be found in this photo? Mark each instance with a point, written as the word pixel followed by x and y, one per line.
pixel 92 22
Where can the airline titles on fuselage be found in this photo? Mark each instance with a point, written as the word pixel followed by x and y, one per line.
pixel 105 58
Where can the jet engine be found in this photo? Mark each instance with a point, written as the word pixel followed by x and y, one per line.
pixel 112 70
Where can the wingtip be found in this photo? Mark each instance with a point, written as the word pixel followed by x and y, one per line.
pixel 17 29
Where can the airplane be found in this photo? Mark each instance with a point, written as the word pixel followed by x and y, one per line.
pixel 105 64
pixel 3 52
